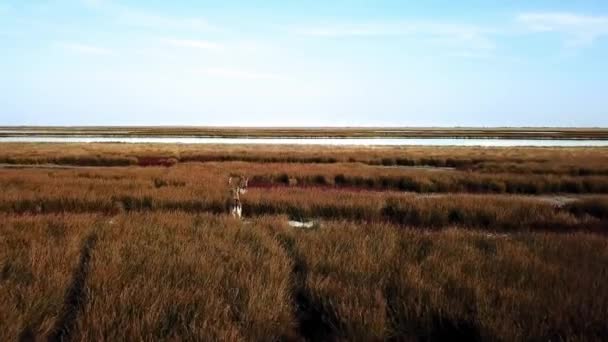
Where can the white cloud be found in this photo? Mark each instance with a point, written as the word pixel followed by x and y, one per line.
pixel 86 49
pixel 473 40
pixel 396 28
pixel 149 20
pixel 240 74
pixel 195 44
pixel 577 29
pixel 455 35
pixel 470 55
pixel 140 18
pixel 345 31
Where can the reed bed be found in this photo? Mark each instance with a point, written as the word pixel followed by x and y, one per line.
pixel 427 170
pixel 376 282
pixel 191 276
pixel 594 206
pixel 567 161
pixel 186 277
pixel 408 243
pixel 38 256
pixel 421 180
pixel 203 188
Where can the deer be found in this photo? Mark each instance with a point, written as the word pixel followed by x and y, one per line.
pixel 238 187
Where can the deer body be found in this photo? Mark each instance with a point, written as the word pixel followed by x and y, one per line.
pixel 237 188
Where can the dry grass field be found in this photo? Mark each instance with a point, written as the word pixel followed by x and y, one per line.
pixel 134 242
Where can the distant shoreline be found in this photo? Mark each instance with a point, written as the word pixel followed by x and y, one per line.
pixel 308 132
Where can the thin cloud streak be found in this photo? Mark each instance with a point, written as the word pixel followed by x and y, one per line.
pixel 147 20
pixel 86 49
pixel 195 44
pixel 399 28
pixel 577 29
pixel 138 18
pixel 451 34
pixel 240 74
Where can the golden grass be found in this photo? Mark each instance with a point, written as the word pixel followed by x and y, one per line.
pixel 377 282
pixel 182 276
pixel 202 188
pixel 38 255
pixel 423 180
pixel 149 253
pixel 594 206
pixel 170 276
pixel 573 161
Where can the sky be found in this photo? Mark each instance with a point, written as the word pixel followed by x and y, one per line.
pixel 304 63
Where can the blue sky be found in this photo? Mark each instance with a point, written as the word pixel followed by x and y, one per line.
pixel 305 63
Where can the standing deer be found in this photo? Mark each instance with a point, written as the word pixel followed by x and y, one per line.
pixel 237 188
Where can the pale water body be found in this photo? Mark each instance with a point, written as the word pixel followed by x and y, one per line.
pixel 489 142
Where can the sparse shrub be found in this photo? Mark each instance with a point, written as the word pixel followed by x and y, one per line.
pixel 340 179
pixel 159 183
pixel 283 178
pixel 319 180
pixel 405 162
pixel 387 161
pixel 597 207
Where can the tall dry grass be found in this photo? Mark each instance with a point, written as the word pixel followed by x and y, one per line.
pixel 422 180
pixel 38 255
pixel 594 206
pixel 182 277
pixel 567 161
pixel 202 188
pixel 148 253
pixel 375 282
pixel 209 277
pixel 497 287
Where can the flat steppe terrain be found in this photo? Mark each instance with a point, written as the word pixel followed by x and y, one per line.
pixel 135 242
pixel 312 132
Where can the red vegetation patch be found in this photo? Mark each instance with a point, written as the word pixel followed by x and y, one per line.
pixel 326 187
pixel 156 161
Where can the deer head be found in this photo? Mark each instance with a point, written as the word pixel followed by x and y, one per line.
pixel 240 183
pixel 243 184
